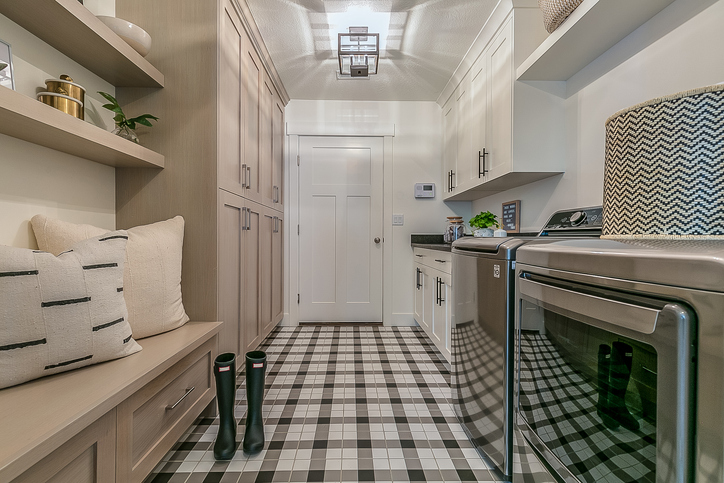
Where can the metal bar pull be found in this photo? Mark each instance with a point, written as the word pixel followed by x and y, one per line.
pixel 437 290
pixel 622 314
pixel 188 391
pixel 243 175
pixel 441 261
pixel 452 184
pixel 442 285
pixel 243 219
pixel 417 278
pixel 481 163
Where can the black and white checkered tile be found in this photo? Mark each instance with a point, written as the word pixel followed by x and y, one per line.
pixel 559 403
pixel 342 404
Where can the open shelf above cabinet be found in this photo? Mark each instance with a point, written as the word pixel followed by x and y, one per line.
pixel 73 30
pixel 593 28
pixel 30 120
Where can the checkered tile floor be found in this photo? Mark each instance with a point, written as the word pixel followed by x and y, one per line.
pixel 342 404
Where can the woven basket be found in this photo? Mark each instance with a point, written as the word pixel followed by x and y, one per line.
pixel 664 173
pixel 556 11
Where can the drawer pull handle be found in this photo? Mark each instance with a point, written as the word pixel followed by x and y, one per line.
pixel 441 261
pixel 188 391
pixel 419 256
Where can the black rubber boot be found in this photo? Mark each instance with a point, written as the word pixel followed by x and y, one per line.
pixel 225 374
pixel 603 406
pixel 254 434
pixel 621 362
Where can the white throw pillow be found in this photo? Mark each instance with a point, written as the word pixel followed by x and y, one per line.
pixel 152 277
pixel 62 313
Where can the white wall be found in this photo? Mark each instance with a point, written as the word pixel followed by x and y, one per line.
pixel 677 50
pixel 34 179
pixel 416 157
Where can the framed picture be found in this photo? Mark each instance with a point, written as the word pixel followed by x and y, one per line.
pixel 6 66
pixel 511 216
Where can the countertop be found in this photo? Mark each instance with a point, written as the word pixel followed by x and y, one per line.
pixel 443 247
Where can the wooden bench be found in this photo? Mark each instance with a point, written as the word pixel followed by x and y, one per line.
pixel 110 422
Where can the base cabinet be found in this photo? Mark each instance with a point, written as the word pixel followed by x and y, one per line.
pixel 89 457
pixel 434 296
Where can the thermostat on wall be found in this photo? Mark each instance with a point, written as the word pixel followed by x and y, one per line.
pixel 424 190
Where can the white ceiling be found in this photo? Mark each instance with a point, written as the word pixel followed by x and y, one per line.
pixel 426 41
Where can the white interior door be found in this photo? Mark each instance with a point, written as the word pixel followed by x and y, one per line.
pixel 340 232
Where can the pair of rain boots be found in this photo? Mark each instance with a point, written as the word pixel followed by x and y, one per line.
pixel 614 373
pixel 225 375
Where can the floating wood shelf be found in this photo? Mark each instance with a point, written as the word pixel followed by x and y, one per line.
pixel 73 30
pixel 30 120
pixel 593 28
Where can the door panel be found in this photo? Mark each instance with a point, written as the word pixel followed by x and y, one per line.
pixel 277 271
pixel 501 103
pixel 230 114
pixel 231 225
pixel 278 153
pixel 267 141
pixel 340 217
pixel 251 324
pixel 252 130
pixel 268 222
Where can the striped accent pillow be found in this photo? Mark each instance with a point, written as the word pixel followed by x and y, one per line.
pixel 65 312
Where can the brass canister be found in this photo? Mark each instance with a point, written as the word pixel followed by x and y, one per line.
pixel 67 87
pixel 63 103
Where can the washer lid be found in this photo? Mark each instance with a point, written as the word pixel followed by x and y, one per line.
pixel 690 264
pixel 503 247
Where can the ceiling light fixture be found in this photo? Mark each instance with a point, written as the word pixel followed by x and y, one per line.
pixel 358 52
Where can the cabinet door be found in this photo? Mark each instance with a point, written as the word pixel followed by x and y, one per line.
pixel 278 153
pixel 268 225
pixel 266 148
pixel 232 226
pixel 479 120
pixel 500 117
pixel 464 158
pixel 419 295
pixel 277 271
pixel 450 147
pixel 252 102
pixel 230 174
pixel 88 457
pixel 441 314
pixel 251 322
pixel 429 293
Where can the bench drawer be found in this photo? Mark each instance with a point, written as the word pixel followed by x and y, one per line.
pixel 153 419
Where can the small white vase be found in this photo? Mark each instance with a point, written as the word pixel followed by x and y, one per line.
pixel 483 232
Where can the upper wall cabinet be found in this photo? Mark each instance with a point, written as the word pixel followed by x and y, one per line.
pixel 499 133
pixel 593 28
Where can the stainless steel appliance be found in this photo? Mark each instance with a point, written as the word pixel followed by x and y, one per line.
pixel 621 359
pixel 482 331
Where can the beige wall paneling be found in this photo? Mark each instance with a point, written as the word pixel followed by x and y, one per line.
pixel 89 457
pixel 154 418
pixel 232 39
pixel 186 133
pixel 278 152
pixel 253 83
pixel 266 141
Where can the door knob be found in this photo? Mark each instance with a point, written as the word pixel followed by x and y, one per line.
pixel 377 239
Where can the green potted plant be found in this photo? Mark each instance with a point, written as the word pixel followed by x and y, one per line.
pixel 125 127
pixel 483 223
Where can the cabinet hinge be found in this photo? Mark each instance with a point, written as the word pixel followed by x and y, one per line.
pixel 297 160
pixel 297 298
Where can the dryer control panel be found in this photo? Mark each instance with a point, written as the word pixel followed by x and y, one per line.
pixel 583 220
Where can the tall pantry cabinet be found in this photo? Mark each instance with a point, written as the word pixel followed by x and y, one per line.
pixel 221 127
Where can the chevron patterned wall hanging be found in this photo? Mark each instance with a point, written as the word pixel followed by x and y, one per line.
pixel 664 173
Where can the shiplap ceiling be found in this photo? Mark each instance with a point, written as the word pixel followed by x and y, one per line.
pixel 425 41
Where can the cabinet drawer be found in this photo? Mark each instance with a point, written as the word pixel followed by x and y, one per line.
pixel 436 259
pixel 152 420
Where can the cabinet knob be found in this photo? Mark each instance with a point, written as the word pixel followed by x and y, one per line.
pixel 377 239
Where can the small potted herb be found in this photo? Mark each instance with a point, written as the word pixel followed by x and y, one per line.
pixel 482 224
pixel 124 126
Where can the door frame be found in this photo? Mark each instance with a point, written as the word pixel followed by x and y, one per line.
pixel 294 131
